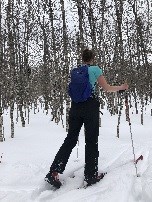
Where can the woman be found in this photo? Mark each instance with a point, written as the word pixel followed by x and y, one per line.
pixel 86 113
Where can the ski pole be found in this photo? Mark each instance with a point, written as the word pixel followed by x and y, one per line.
pixel 119 113
pixel 78 150
pixel 77 159
pixel 128 119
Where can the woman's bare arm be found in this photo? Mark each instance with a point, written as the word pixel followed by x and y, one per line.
pixel 103 83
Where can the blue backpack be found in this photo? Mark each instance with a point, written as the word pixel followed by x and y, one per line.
pixel 80 88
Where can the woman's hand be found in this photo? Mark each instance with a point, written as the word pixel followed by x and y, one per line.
pixel 124 86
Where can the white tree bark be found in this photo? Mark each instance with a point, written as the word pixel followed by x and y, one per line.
pixel 1 129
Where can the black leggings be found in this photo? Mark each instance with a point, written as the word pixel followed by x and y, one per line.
pixel 87 113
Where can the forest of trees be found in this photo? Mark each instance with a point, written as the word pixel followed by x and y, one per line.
pixel 41 40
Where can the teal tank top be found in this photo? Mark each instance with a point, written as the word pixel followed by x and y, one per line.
pixel 94 72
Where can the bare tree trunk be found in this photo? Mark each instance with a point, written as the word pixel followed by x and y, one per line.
pixel 1 67
pixel 66 62
pixel 1 128
pixel 80 37
pixel 20 87
pixel 119 52
pixel 12 119
pixel 101 47
pixel 46 59
pixel 142 111
pixel 11 59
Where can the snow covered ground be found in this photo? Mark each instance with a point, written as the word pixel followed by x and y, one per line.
pixel 27 158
